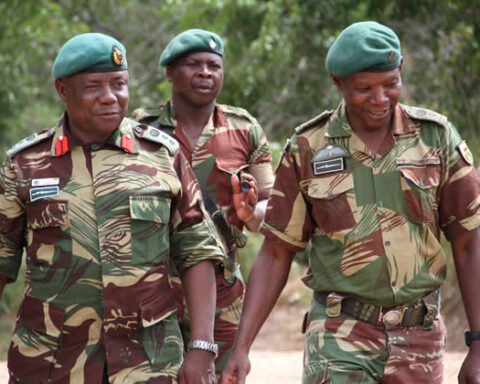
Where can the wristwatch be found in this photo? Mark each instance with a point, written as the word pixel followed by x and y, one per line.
pixel 470 336
pixel 203 345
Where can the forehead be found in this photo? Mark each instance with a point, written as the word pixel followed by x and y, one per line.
pixel 372 77
pixel 201 56
pixel 87 77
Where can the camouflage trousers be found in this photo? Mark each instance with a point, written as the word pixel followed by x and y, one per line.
pixel 343 350
pixel 230 295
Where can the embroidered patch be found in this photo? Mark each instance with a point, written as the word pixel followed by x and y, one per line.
pixel 464 151
pixel 45 181
pixel 41 193
pixel 327 166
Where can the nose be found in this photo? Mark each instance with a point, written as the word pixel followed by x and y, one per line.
pixel 379 96
pixel 205 71
pixel 107 96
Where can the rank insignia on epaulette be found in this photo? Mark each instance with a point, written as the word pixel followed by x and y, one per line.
pixel 464 151
pixel 329 159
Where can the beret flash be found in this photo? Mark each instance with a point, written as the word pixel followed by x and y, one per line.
pixel 364 47
pixel 192 40
pixel 90 52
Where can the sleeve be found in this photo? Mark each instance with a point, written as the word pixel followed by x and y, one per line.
pixel 193 236
pixel 260 161
pixel 459 201
pixel 288 218
pixel 12 223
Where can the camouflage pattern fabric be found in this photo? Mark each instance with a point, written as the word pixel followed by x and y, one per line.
pixel 343 350
pixel 99 224
pixel 231 141
pixel 371 225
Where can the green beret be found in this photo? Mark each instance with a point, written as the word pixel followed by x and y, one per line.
pixel 90 52
pixel 364 47
pixel 192 40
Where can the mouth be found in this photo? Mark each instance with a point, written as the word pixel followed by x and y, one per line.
pixel 203 86
pixel 379 114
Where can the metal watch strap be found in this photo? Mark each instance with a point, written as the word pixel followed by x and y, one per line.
pixel 470 336
pixel 203 345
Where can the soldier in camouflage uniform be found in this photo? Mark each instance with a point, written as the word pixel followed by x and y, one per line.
pixel 100 202
pixel 369 187
pixel 221 142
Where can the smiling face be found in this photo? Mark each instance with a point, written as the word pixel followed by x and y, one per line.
pixel 197 78
pixel 95 103
pixel 370 98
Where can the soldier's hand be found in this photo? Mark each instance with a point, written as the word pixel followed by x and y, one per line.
pixel 197 368
pixel 236 369
pixel 470 371
pixel 245 196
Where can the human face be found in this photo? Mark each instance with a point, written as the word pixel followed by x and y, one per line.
pixel 196 78
pixel 95 103
pixel 370 98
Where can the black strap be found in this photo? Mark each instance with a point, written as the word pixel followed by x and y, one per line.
pixel 220 221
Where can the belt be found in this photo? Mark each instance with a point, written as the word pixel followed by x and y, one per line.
pixel 399 316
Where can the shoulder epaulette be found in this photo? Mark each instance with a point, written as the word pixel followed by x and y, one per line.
pixel 29 141
pixel 425 114
pixel 237 111
pixel 157 136
pixel 146 114
pixel 312 122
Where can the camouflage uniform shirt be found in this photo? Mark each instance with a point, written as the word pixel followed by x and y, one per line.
pixel 231 141
pixel 99 223
pixel 373 223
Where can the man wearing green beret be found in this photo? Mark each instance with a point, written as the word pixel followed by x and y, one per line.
pixel 367 189
pixel 230 156
pixel 102 205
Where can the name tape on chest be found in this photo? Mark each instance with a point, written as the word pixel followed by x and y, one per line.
pixel 43 192
pixel 327 166
pixel 45 181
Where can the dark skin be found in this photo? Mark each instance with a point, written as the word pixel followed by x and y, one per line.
pixel 95 104
pixel 370 100
pixel 197 80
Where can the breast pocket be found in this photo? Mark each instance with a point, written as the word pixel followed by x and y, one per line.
pixel 150 217
pixel 48 233
pixel 332 201
pixel 420 180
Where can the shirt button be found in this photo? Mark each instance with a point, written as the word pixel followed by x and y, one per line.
pixel 380 204
pixel 95 147
pixel 387 243
pixel 394 283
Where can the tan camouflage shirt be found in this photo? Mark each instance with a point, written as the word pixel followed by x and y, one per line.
pixel 373 223
pixel 99 223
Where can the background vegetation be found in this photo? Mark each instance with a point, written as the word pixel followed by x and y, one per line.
pixel 274 61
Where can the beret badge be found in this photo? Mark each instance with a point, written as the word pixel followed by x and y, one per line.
pixel 213 44
pixel 117 56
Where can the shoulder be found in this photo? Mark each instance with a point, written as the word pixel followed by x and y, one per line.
pixel 231 111
pixel 148 115
pixel 317 121
pixel 30 141
pixel 425 114
pixel 155 135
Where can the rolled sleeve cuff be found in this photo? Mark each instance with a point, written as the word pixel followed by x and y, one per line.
pixel 459 227
pixel 272 234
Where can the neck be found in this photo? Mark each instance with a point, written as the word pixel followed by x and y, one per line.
pixel 192 117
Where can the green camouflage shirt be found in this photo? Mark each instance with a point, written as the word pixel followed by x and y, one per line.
pixel 99 223
pixel 373 223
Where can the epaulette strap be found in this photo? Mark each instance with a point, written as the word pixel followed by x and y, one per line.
pixel 157 136
pixel 425 114
pixel 230 109
pixel 310 123
pixel 29 141
pixel 143 114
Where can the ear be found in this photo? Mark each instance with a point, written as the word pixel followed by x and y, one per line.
pixel 169 73
pixel 401 64
pixel 337 81
pixel 60 86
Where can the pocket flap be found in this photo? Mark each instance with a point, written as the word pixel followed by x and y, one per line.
pixel 331 186
pixel 157 308
pixel 231 166
pixel 47 214
pixel 423 173
pixel 150 208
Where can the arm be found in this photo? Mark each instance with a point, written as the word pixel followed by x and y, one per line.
pixel 200 293
pixel 3 282
pixel 266 281
pixel 466 253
